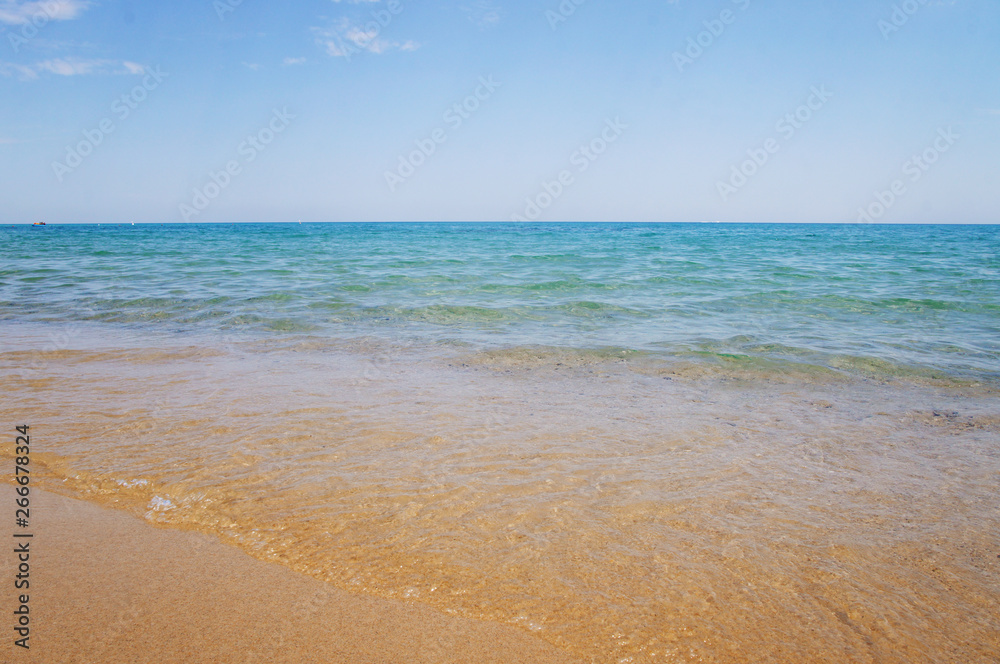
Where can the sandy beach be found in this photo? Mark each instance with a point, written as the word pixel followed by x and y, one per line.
pixel 624 443
pixel 107 587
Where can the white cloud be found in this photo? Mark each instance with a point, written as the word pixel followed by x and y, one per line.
pixel 483 13
pixel 345 38
pixel 17 12
pixel 24 73
pixel 294 61
pixel 69 67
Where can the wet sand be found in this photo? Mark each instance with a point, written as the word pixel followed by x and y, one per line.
pixel 108 587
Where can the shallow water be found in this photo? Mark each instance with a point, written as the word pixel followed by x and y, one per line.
pixel 662 486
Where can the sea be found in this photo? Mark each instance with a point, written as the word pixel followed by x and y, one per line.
pixel 638 442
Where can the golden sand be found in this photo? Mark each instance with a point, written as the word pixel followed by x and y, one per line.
pixel 107 587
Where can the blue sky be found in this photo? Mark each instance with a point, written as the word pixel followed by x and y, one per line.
pixel 322 110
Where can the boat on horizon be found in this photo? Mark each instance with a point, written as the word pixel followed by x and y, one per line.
pixel 38 223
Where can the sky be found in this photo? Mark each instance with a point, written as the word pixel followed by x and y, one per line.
pixel 839 111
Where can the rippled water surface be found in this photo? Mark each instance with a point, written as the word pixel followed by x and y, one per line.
pixel 669 443
pixel 832 295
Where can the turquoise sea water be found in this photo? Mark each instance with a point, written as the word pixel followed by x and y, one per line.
pixel 868 299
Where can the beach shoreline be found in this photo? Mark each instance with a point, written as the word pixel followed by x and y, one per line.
pixel 596 507
pixel 634 443
pixel 108 587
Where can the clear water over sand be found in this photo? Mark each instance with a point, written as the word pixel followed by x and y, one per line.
pixel 646 444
